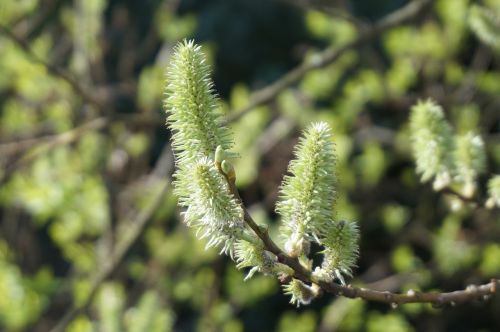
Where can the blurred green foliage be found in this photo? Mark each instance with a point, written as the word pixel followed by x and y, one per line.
pixel 70 196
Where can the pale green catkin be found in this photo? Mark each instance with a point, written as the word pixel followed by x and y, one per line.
pixel 340 240
pixel 432 143
pixel 493 192
pixel 307 195
pixel 204 176
pixel 470 161
pixel 306 207
pixel 196 134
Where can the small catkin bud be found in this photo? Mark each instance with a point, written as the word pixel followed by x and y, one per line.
pixel 219 155
pixel 228 169
pixel 300 292
pixel 432 143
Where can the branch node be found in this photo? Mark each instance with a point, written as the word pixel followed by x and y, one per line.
pixel 388 296
pixel 471 289
pixel 493 289
pixel 264 229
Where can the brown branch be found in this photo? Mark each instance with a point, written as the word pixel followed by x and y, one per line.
pixel 300 271
pixel 474 201
pixel 33 147
pixel 437 299
pixel 329 56
pixel 472 292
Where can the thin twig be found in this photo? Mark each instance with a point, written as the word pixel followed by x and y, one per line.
pixel 50 143
pixel 471 293
pixel 137 227
pixel 333 10
pixel 437 299
pixel 73 83
pixel 474 201
pixel 21 145
pixel 328 56
pixel 31 148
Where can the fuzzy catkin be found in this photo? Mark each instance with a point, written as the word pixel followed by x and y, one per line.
pixel 210 207
pixel 470 161
pixel 307 207
pixel 204 176
pixel 308 194
pixel 432 143
pixel 340 240
pixel 196 134
pixel 493 192
pixel 191 107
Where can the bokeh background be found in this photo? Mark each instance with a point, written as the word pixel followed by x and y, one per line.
pixel 89 227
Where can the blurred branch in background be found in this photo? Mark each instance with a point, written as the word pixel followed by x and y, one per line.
pixel 329 56
pixel 337 9
pixel 43 145
pixel 136 223
pixel 257 98
pixel 38 146
pixel 54 70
